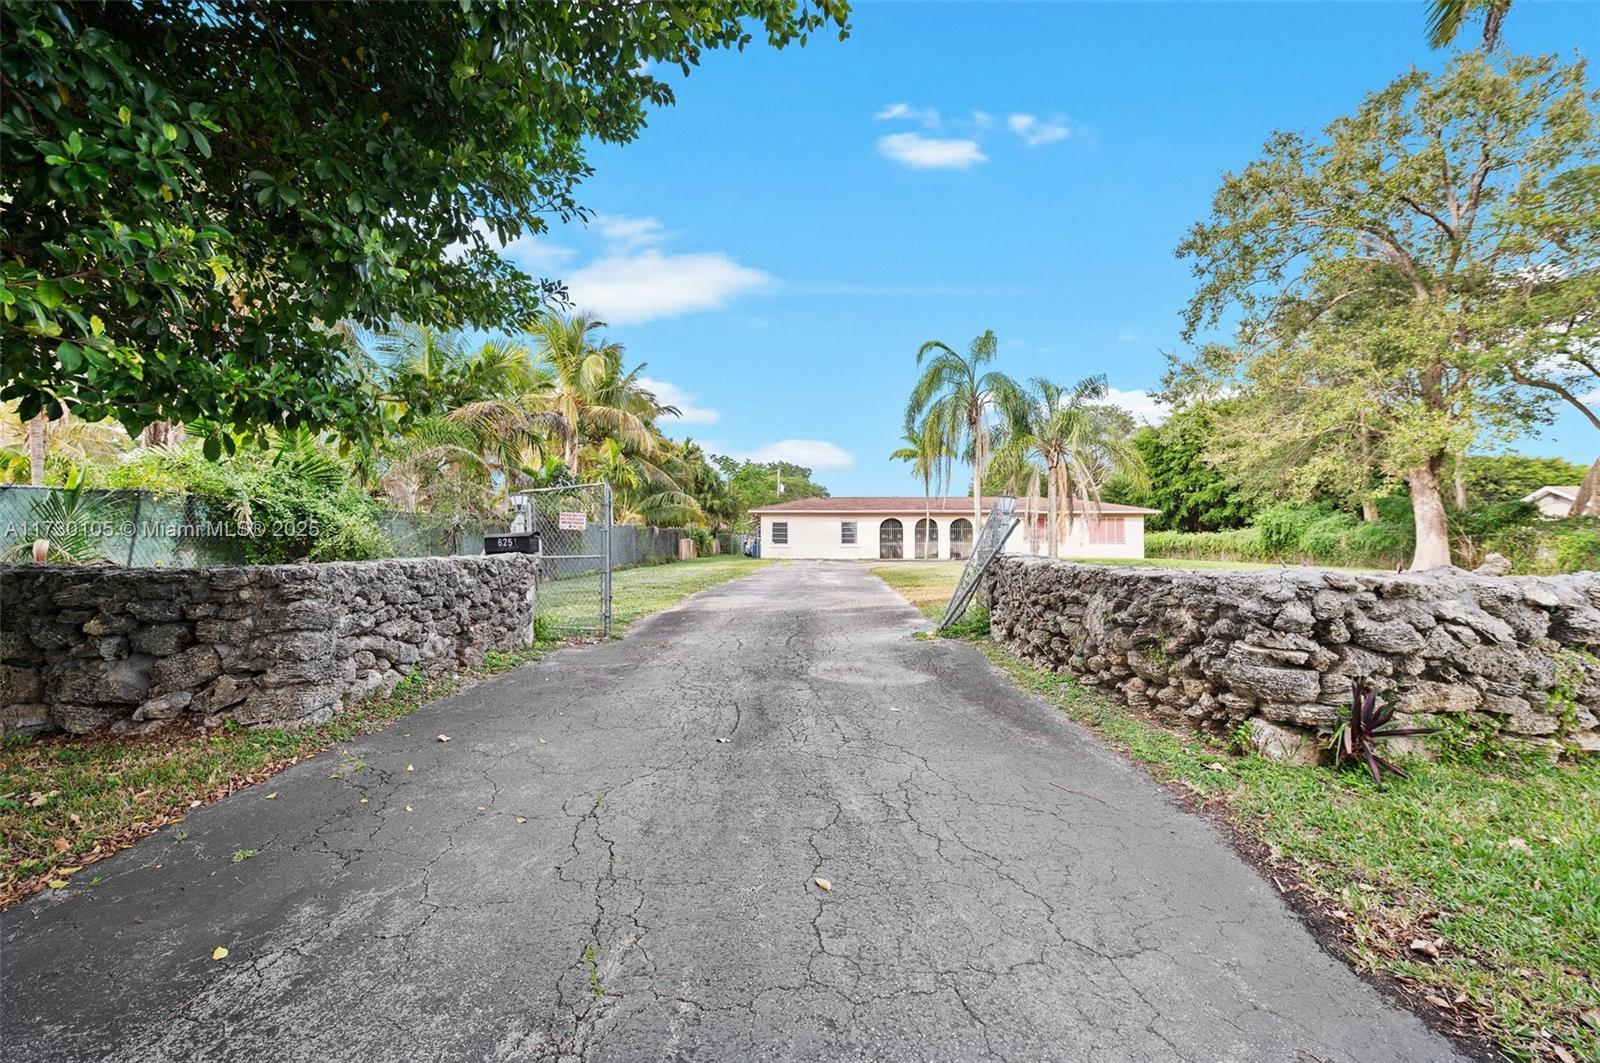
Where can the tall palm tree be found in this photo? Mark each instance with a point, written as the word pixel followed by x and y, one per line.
pixel 594 397
pixel 471 418
pixel 958 400
pixel 925 452
pixel 1077 440
pixel 1446 17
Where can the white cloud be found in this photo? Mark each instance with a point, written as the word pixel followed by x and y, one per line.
pixel 532 253
pixel 1035 132
pixel 1143 405
pixel 931 153
pixel 689 409
pixel 896 111
pixel 983 119
pixel 626 233
pixel 630 289
pixel 812 453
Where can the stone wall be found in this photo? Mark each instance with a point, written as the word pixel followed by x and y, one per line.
pixel 83 649
pixel 1278 649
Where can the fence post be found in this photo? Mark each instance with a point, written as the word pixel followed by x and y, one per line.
pixel 133 533
pixel 606 591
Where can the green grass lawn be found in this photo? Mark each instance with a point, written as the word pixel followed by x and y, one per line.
pixel 1495 868
pixel 927 584
pixel 571 605
pixel 638 592
pixel 67 802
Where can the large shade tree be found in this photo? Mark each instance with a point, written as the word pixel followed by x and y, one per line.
pixel 196 194
pixel 962 402
pixel 1421 210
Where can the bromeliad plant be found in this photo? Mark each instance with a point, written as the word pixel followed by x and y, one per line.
pixel 1356 738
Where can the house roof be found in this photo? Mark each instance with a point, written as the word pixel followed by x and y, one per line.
pixel 916 505
pixel 1562 490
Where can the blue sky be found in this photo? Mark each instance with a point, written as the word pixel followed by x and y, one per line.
pixel 777 245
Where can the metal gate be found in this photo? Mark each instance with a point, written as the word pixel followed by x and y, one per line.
pixel 574 525
pixel 991 540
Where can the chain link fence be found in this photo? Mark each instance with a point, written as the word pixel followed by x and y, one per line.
pixel 582 548
pixel 151 529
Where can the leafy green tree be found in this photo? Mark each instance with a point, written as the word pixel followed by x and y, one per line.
pixel 962 403
pixel 702 481
pixel 197 194
pixel 755 484
pixel 1508 477
pixel 1379 265
pixel 1553 336
pixel 1191 493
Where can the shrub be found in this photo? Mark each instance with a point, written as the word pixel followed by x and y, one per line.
pixel 1283 527
pixel 1238 544
pixel 302 500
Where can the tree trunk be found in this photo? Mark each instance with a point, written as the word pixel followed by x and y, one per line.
pixel 1369 509
pixel 1588 500
pixel 1050 513
pixel 1460 484
pixel 36 447
pixel 976 427
pixel 161 434
pixel 1033 512
pixel 927 515
pixel 1427 512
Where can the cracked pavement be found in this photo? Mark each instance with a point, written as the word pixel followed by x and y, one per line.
pixel 588 871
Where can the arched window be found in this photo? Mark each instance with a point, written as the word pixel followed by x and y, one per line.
pixel 927 539
pixel 961 537
pixel 891 540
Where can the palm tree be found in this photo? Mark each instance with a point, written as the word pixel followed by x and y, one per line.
pixel 1078 441
pixel 471 420
pixel 1446 17
pixel 925 452
pixel 956 399
pixel 595 399
pixel 66 436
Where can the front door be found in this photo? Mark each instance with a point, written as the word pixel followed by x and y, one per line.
pixel 891 540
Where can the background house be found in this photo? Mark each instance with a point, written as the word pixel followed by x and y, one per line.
pixel 874 528
pixel 1554 501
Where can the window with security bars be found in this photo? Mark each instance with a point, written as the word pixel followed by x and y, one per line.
pixel 847 533
pixel 780 533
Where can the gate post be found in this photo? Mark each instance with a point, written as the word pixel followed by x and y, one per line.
pixel 605 624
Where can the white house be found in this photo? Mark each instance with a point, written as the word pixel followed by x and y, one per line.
pixel 1554 501
pixel 913 527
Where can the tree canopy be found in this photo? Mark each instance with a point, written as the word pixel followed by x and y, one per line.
pixel 1192 494
pixel 197 194
pixel 1387 276
pixel 756 483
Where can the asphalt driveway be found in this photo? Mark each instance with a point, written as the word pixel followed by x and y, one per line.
pixel 614 857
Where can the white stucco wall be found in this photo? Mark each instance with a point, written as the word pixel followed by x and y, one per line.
pixel 816 536
pixel 1552 504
